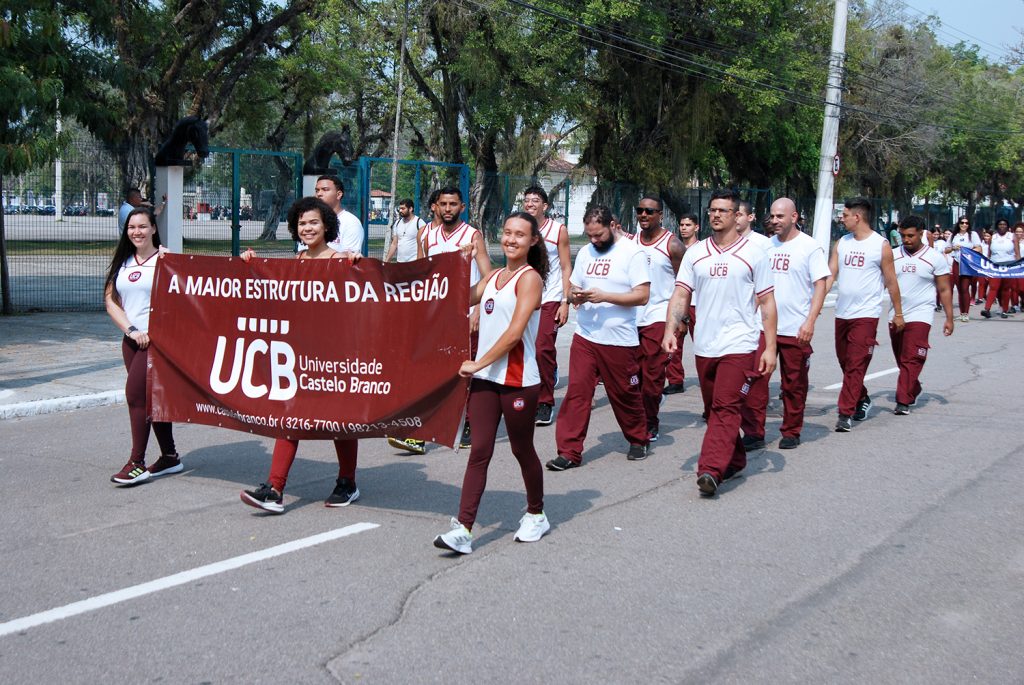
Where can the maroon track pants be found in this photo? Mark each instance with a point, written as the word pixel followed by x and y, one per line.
pixel 1001 288
pixel 490 403
pixel 547 360
pixel 964 285
pixel 619 368
pixel 794 363
pixel 653 363
pixel 855 344
pixel 910 347
pixel 137 398
pixel 724 383
pixel 284 455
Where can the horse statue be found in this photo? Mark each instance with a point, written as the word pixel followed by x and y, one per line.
pixel 189 130
pixel 330 144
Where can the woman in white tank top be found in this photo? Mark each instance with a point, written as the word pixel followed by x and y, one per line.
pixel 506 382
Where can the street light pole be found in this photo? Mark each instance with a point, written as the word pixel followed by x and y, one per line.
pixel 398 118
pixel 828 164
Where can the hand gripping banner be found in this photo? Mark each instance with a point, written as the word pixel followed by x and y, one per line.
pixel 311 349
pixel 974 264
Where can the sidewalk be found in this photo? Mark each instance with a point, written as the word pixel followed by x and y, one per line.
pixel 54 362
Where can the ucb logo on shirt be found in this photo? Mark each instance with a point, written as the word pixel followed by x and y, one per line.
pixel 248 354
pixel 134 276
pixel 489 305
pixel 599 268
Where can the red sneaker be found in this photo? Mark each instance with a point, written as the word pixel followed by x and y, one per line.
pixel 133 473
pixel 166 465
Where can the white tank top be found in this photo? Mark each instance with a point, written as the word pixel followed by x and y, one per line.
pixel 553 291
pixel 861 286
pixel 663 279
pixel 134 284
pixel 439 242
pixel 518 368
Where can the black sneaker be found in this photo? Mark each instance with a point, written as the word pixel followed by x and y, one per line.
pixel 345 493
pixel 264 497
pixel 1004 315
pixel 560 463
pixel 466 440
pixel 986 314
pixel 863 407
pixel 673 389
pixel 652 435
pixel 844 424
pixel 637 452
pixel 707 485
pixel 544 412
pixel 752 442
pixel 901 409
pixel 789 442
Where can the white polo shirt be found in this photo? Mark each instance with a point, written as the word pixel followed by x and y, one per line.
pixel 619 270
pixel 796 265
pixel 861 286
pixel 728 281
pixel 916 276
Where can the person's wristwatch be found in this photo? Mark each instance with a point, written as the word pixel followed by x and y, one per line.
pixel 131 329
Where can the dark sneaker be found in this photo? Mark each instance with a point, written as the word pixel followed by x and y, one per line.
pixel 133 473
pixel 752 442
pixel 409 445
pixel 986 314
pixel 345 493
pixel 977 302
pixel 707 485
pixel 166 465
pixel 1004 315
pixel 673 389
pixel 863 407
pixel 789 442
pixel 730 472
pixel 264 497
pixel 544 412
pixel 844 424
pixel 901 409
pixel 652 435
pixel 465 441
pixel 560 463
pixel 637 452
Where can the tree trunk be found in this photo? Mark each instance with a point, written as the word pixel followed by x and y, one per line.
pixel 5 276
pixel 284 179
pixel 485 205
pixel 133 160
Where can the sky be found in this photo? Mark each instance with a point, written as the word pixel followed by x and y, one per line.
pixel 992 25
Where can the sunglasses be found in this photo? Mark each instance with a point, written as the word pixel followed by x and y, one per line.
pixel 963 222
pixel 646 210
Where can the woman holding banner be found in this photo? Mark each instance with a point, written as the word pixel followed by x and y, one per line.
pixel 506 382
pixel 314 224
pixel 964 238
pixel 1003 248
pixel 127 297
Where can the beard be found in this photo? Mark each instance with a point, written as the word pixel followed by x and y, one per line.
pixel 604 246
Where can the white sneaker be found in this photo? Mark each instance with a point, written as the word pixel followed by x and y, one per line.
pixel 532 527
pixel 458 539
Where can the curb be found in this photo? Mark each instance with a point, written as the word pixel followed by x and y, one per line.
pixel 59 404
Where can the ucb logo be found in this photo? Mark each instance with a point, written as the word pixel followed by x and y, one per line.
pixel 278 354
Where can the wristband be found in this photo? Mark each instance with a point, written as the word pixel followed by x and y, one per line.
pixel 131 329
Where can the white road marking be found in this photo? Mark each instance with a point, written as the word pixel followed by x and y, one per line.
pixel 110 598
pixel 836 386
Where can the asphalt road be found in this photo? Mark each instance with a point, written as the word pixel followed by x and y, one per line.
pixel 894 553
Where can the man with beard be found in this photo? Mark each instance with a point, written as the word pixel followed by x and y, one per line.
pixel 608 282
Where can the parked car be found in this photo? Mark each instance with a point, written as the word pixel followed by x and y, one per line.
pixel 105 211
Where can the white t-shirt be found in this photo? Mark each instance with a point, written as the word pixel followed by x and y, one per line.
pixel 553 290
pixel 134 284
pixel 968 240
pixel 796 265
pixel 350 234
pixel 758 239
pixel 619 270
pixel 861 286
pixel 1002 248
pixel 916 275
pixel 663 279
pixel 406 232
pixel 518 368
pixel 439 242
pixel 940 247
pixel 728 282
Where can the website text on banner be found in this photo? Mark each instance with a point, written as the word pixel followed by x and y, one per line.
pixel 311 349
pixel 973 264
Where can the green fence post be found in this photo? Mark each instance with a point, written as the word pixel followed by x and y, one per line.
pixel 236 200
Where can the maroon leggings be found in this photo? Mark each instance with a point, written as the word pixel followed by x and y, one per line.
pixel 490 402
pixel 135 361
pixel 284 455
pixel 547 362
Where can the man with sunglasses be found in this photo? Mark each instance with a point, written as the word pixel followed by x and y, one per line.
pixel 664 253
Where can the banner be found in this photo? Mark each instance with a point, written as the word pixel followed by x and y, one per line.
pixel 311 349
pixel 974 264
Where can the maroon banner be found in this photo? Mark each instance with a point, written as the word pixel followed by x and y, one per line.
pixel 311 349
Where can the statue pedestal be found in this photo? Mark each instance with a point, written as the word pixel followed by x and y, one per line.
pixel 309 185
pixel 170 182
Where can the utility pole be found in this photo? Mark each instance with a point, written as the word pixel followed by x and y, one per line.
pixel 828 164
pixel 398 120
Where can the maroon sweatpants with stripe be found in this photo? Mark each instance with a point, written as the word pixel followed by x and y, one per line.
pixel 653 363
pixel 794 363
pixel 855 344
pixel 619 368
pixel 547 361
pixel 910 347
pixel 724 383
